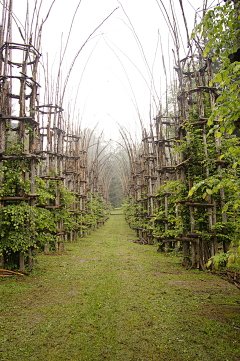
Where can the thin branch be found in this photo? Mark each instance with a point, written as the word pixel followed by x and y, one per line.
pixel 76 56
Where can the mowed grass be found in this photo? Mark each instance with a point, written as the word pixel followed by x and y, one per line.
pixel 107 298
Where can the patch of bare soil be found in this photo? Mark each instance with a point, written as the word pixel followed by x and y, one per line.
pixel 220 313
pixel 55 254
pixel 177 272
pixel 200 284
pixel 89 259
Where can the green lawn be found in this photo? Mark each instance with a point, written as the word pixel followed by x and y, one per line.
pixel 107 298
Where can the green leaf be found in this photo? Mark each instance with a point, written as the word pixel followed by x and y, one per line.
pixel 208 264
pixel 218 135
pixel 231 129
pixel 227 81
pixel 236 68
pixel 209 191
pixel 191 192
pixel 225 208
pixel 206 51
pixel 219 78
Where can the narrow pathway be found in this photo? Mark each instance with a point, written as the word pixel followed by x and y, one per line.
pixel 107 298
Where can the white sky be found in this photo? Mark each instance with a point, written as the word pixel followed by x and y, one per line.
pixel 111 87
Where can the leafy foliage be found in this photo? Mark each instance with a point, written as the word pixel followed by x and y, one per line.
pixel 221 27
pixel 23 225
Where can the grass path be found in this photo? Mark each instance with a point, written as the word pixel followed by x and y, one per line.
pixel 107 298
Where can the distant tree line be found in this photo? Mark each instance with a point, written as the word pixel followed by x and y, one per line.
pixel 116 192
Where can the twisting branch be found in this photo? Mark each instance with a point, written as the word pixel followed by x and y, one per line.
pixel 65 49
pixel 76 56
pixel 40 29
